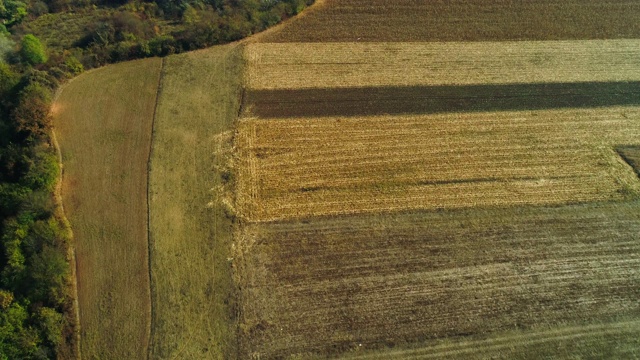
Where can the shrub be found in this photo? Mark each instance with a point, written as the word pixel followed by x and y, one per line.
pixel 32 51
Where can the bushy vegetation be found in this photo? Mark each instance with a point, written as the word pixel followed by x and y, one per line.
pixel 34 270
pixel 36 54
pixel 121 30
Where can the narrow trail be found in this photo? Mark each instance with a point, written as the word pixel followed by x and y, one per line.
pixel 149 238
pixel 57 193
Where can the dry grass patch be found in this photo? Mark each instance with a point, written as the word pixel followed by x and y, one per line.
pixel 330 65
pixel 335 285
pixel 321 166
pixel 103 122
pixel 191 232
pixel 461 20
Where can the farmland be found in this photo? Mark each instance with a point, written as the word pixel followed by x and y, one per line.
pixel 355 184
pixel 316 166
pixel 460 20
pixel 190 230
pixel 349 65
pixel 350 283
pixel 104 193
pixel 425 187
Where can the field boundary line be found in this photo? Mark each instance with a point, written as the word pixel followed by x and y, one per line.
pixel 492 344
pixel 149 238
pixel 71 251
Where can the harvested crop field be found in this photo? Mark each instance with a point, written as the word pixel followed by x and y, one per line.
pixel 406 199
pixel 320 166
pixel 460 20
pixel 358 65
pixel 336 285
pixel 105 135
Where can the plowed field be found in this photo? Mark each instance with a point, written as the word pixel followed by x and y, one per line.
pixel 460 20
pixel 353 283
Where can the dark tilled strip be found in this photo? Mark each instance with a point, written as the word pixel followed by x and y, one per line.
pixel 631 155
pixel 462 20
pixel 362 101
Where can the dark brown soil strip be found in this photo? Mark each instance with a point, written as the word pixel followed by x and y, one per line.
pixel 462 20
pixel 631 155
pixel 362 101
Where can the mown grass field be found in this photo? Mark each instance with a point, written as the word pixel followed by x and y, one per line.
pixel 190 224
pixel 105 136
pixel 105 121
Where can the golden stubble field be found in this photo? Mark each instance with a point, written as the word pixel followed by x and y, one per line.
pixel 380 64
pixel 105 136
pixel 322 166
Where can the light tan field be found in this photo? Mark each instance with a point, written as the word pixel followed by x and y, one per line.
pixel 105 134
pixel 335 65
pixel 190 228
pixel 320 166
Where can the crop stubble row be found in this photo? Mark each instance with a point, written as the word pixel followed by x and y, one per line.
pixel 329 285
pixel 303 167
pixel 340 65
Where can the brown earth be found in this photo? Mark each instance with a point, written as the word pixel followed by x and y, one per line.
pixel 362 101
pixel 460 20
pixel 631 154
pixel 326 286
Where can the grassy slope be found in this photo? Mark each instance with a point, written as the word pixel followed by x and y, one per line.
pixel 103 121
pixel 191 235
